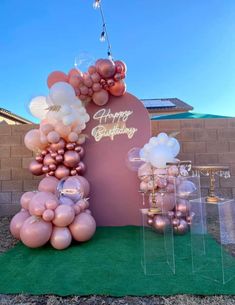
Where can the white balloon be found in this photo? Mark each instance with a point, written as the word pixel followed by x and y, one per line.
pixel 159 156
pixel 38 106
pixel 174 146
pixel 65 109
pixel 153 141
pixel 49 101
pixel 162 138
pixel 76 102
pixel 62 93
pixel 69 119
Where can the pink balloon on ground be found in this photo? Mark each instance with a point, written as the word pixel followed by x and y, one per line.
pixel 60 238
pixel 35 232
pixel 48 184
pixel 17 222
pixel 64 215
pixel 25 199
pixel 83 227
pixel 56 76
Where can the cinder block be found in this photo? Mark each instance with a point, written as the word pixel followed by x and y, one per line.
pixel 5 197
pixel 22 129
pixel 5 129
pixel 9 209
pixel 20 151
pixel 231 122
pixel 10 140
pixel 232 169
pixel 30 185
pixel 206 159
pixel 227 158
pixel 194 147
pixel 205 134
pixel 195 123
pixel 217 147
pixel 185 135
pixel 4 151
pixel 26 162
pixel 16 197
pixel 169 124
pixel 5 174
pixel 12 186
pixel 226 133
pixel 21 174
pixel 216 123
pixel 232 146
pixel 11 163
pixel 187 157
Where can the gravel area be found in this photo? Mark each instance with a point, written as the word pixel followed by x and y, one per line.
pixel 7 242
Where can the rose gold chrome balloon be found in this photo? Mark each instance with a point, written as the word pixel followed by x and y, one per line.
pixel 48 160
pixel 62 172
pixel 80 150
pixel 71 159
pixel 59 158
pixel 36 168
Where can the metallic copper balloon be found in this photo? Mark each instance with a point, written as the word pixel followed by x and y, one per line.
pixel 120 63
pixel 80 150
pixel 62 172
pixel 59 158
pixel 182 206
pixel 35 168
pixel 81 168
pixel 161 223
pixel 110 82
pixel 57 146
pixel 51 173
pixel 106 68
pixel 43 152
pixel 48 160
pixel 118 89
pixel 52 167
pixel 182 228
pixel 70 146
pixel 45 169
pixel 178 214
pixel 71 158
pixel 39 158
pixel 171 214
pixel 61 151
pixel 175 222
pixel 150 221
pixel 53 154
pixel 117 77
pixel 101 97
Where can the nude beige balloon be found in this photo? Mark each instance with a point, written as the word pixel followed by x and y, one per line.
pixel 61 238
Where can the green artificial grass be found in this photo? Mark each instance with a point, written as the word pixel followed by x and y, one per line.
pixel 109 264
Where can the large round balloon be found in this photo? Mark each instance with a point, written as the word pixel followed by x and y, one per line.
pixel 48 184
pixel 61 238
pixel 32 140
pixel 62 93
pixel 17 222
pixel 38 107
pixel 83 227
pixel 25 199
pixel 35 232
pixel 55 77
pixel 64 215
pixel 37 204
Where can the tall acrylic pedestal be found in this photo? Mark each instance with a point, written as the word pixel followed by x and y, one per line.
pixel 213 239
pixel 157 255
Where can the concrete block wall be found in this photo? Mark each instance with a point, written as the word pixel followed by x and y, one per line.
pixel 210 141
pixel 205 142
pixel 15 178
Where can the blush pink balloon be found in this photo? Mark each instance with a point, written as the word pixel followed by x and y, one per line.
pixel 46 128
pixel 64 215
pixel 37 203
pixel 48 184
pixel 52 204
pixel 101 97
pixel 25 199
pixel 74 81
pixel 48 160
pixel 83 227
pixel 62 171
pixel 35 232
pixel 170 188
pixel 32 140
pixel 75 72
pixel 96 87
pixel 71 159
pixel 48 215
pixel 143 186
pixel 77 208
pixel 53 137
pixel 60 145
pixel 55 77
pixel 173 170
pixel 73 137
pixel 161 182
pixel 62 130
pixel 83 203
pixel 17 222
pixel 95 77
pixel 61 238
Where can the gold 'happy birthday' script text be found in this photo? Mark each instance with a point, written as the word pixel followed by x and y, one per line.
pixel 112 124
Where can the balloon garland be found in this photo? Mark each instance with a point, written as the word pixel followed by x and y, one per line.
pixel 59 210
pixel 162 179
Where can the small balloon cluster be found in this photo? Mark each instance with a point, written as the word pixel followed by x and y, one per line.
pixel 48 216
pixel 164 181
pixel 102 79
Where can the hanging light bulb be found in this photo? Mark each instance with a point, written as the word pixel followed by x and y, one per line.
pixel 96 4
pixel 102 37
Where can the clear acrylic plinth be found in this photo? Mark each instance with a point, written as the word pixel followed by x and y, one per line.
pixel 213 239
pixel 157 248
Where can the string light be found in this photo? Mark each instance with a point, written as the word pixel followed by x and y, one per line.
pixel 104 34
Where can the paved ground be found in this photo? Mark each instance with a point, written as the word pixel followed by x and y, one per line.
pixel 7 242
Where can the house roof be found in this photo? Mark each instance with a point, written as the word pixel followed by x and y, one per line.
pixel 166 105
pixel 9 115
pixel 188 115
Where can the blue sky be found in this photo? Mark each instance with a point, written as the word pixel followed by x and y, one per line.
pixel 172 48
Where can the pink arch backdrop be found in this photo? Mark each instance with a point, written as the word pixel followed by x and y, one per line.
pixel 114 196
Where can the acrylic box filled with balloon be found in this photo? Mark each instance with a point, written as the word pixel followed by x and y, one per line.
pixel 165 183
pixel 58 211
